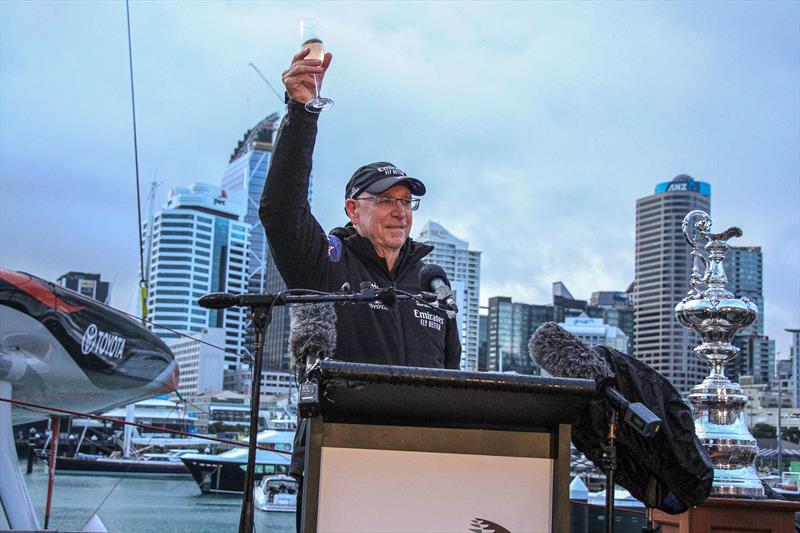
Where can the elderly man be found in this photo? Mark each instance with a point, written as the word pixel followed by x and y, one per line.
pixel 373 247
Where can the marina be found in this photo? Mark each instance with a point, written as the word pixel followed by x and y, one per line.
pixel 138 504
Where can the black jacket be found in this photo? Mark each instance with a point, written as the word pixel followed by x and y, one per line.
pixel 408 333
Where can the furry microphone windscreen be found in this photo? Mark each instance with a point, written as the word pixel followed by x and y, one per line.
pixel 312 330
pixel 562 354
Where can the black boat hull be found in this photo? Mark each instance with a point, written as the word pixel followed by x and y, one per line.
pixel 219 477
pixel 94 466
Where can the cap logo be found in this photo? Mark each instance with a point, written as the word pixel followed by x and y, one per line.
pixel 391 171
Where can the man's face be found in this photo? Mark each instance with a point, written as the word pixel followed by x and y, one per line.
pixel 387 227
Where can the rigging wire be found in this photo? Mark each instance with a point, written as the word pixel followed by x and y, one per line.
pixel 142 282
pixel 124 474
pixel 38 408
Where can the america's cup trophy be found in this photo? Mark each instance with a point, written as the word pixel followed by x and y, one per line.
pixel 718 403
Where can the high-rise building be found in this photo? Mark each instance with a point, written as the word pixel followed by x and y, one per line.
pixel 794 357
pixel 745 272
pixel 87 284
pixel 662 270
pixel 201 366
pixel 510 326
pixel 244 180
pixel 463 269
pixel 743 267
pixel 483 342
pixel 197 246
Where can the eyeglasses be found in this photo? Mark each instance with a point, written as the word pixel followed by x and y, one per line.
pixel 389 202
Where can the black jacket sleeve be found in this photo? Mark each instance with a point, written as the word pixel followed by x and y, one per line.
pixel 452 346
pixel 296 240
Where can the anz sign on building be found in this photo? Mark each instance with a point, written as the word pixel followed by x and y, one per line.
pixel 684 183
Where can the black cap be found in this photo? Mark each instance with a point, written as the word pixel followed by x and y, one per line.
pixel 378 177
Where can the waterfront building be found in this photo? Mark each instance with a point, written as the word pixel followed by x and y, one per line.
pixel 662 269
pixel 230 411
pixel 87 284
pixel 564 304
pixel 197 246
pixel 615 309
pixel 201 364
pixel 277 382
pixel 160 412
pixel 244 179
pixel 510 326
pixel 463 269
pixel 593 332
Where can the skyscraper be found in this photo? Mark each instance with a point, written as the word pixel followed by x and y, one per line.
pixel 794 357
pixel 463 268
pixel 744 269
pixel 510 326
pixel 244 180
pixel 87 284
pixel 198 246
pixel 662 270
pixel 745 272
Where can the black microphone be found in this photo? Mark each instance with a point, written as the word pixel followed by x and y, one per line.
pixel 218 300
pixel 433 277
pixel 564 355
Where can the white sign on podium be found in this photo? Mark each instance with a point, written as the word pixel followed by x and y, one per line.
pixel 371 490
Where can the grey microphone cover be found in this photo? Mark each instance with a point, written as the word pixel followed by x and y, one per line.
pixel 562 354
pixel 312 331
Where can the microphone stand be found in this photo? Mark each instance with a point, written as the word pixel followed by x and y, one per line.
pixel 610 466
pixel 262 316
pixel 638 417
pixel 261 306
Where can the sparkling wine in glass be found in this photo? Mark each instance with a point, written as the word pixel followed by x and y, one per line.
pixel 309 35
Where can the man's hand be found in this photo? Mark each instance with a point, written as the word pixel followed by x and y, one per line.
pixel 299 77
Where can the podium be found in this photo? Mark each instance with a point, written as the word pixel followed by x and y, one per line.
pixel 418 449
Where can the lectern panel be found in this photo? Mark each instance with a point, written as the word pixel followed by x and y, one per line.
pixel 374 491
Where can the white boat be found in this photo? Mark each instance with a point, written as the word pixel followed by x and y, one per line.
pixel 276 494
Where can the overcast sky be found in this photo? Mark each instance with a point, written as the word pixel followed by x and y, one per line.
pixel 535 126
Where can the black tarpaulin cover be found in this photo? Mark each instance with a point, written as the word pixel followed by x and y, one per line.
pixel 670 471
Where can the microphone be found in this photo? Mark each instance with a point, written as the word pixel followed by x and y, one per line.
pixel 433 277
pixel 312 335
pixel 563 355
pixel 312 332
pixel 218 300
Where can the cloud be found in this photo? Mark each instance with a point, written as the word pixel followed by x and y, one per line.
pixel 536 126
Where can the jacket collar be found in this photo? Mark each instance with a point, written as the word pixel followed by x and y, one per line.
pixel 411 252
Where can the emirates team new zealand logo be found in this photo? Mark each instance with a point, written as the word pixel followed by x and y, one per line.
pixel 481 525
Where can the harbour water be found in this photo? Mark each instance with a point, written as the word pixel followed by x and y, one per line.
pixel 142 505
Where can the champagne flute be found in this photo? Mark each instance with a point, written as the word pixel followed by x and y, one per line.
pixel 309 35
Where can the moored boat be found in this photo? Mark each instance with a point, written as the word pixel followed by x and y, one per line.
pixel 225 473
pixel 149 463
pixel 276 494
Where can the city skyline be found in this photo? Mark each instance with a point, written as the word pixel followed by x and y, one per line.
pixel 617 98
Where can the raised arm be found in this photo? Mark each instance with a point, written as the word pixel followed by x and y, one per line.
pixel 297 242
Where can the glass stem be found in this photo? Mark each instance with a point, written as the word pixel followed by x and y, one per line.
pixel 316 87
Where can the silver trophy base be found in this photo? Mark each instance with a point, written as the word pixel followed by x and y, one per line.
pixel 738 483
pixel 718 406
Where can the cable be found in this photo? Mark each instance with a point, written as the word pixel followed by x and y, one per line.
pixel 142 282
pixel 39 408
